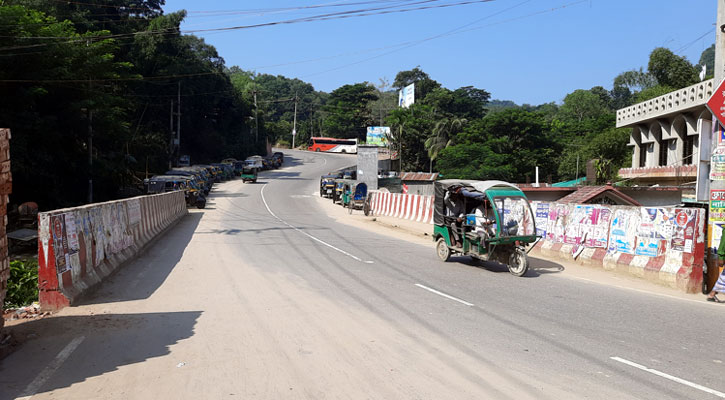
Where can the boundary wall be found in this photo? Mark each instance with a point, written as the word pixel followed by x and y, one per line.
pixel 665 245
pixel 413 207
pixel 79 247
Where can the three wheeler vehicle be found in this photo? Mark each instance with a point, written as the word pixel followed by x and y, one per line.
pixel 354 195
pixel 492 221
pixel 327 185
pixel 249 173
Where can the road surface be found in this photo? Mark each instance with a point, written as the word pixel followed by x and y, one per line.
pixel 263 296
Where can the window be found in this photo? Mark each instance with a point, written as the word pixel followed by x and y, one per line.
pixel 663 153
pixel 688 150
pixel 643 155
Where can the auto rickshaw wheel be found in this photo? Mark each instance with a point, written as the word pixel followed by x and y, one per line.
pixel 518 262
pixel 444 253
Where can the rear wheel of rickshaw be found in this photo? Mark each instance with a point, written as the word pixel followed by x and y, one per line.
pixel 518 262
pixel 366 206
pixel 350 206
pixel 444 253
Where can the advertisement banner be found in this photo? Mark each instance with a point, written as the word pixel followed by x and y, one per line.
pixel 406 96
pixel 60 243
pixel 622 233
pixel 377 136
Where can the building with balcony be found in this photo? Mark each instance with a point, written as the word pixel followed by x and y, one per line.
pixel 671 136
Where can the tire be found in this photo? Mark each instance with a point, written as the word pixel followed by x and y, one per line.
pixel 366 207
pixel 317 150
pixel 350 207
pixel 518 262
pixel 442 249
pixel 343 151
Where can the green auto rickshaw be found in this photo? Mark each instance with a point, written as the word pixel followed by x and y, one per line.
pixel 486 220
pixel 249 172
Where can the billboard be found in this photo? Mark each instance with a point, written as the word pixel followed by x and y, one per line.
pixel 378 135
pixel 406 96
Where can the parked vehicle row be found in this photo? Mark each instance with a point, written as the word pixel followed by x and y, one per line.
pixel 197 180
pixel 349 193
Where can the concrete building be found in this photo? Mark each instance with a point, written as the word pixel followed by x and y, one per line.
pixel 671 136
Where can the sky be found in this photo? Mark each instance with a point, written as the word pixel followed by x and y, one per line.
pixel 527 51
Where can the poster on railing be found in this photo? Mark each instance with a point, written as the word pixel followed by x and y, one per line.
pixel 60 243
pixel 684 232
pixel 597 226
pixel 558 215
pixel 622 232
pixel 542 218
pixel 650 247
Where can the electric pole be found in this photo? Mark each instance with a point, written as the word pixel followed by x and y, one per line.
pixel 177 144
pixel 256 120
pixel 172 135
pixel 294 125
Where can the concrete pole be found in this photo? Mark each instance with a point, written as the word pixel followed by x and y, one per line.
pixel 720 43
pixel 294 125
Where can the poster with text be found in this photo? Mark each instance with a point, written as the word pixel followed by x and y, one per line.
pixel 542 219
pixel 60 243
pixel 684 231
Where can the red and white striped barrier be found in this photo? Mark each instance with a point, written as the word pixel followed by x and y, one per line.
pixel 79 247
pixel 412 207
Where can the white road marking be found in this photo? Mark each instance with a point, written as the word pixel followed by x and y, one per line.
pixel 444 295
pixel 307 234
pixel 44 375
pixel 670 377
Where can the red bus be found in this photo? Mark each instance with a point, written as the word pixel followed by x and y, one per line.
pixel 332 145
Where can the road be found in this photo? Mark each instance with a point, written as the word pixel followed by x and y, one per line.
pixel 264 296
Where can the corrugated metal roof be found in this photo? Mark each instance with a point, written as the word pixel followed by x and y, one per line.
pixel 588 193
pixel 418 176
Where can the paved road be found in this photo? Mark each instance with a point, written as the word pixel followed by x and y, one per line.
pixel 262 295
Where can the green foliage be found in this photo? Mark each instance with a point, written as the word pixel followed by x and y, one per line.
pixel 423 83
pixel 475 161
pixel 707 58
pixel 608 146
pixel 348 111
pixel 651 93
pixel 22 284
pixel 670 69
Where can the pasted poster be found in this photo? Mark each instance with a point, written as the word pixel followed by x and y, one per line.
pixel 597 234
pixel 134 211
pixel 717 205
pixel 684 232
pixel 60 243
pixel 622 232
pixel 717 164
pixel 650 247
pixel 573 230
pixel 542 219
pixel 558 215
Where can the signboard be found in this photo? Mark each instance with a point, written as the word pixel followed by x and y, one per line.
pixel 378 136
pixel 717 164
pixel 716 104
pixel 717 205
pixel 406 96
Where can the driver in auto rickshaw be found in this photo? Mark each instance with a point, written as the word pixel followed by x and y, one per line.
pixel 456 213
pixel 485 220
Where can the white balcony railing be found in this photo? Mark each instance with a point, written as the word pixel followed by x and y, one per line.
pixel 678 100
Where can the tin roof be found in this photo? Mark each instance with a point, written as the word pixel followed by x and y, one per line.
pixel 418 176
pixel 588 193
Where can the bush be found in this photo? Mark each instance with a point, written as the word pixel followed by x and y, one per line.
pixel 23 283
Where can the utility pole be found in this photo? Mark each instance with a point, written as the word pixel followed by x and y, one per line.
pixel 172 134
pixel 177 144
pixel 256 120
pixel 90 155
pixel 294 125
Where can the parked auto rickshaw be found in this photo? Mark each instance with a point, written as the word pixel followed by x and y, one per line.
pixel 170 183
pixel 327 185
pixel 339 187
pixel 249 173
pixel 494 222
pixel 353 195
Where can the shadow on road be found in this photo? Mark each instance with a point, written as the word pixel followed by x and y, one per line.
pixel 109 341
pixel 141 277
pixel 537 266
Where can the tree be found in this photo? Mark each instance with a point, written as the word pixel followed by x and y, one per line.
pixel 707 58
pixel 443 134
pixel 423 83
pixel 348 111
pixel 670 69
pixel 475 161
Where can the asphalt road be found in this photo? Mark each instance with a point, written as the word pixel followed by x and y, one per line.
pixel 262 295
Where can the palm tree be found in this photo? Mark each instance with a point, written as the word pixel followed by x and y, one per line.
pixel 443 134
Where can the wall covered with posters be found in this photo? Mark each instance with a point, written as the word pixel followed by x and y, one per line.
pixel 665 244
pixel 78 247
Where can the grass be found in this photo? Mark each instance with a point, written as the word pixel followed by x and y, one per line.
pixel 22 284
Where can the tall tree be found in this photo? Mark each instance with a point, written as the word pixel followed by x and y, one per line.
pixel 348 111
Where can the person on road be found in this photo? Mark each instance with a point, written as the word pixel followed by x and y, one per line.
pixel 720 284
pixel 454 210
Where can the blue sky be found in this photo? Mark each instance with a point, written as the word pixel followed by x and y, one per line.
pixel 532 51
